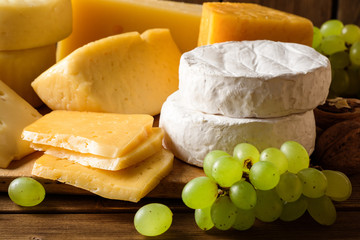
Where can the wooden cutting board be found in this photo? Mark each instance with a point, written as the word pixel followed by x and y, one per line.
pixel 170 187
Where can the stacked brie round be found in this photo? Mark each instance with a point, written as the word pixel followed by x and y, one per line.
pixel 261 92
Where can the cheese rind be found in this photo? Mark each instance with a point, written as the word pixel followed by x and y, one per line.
pixel 127 73
pixel 148 147
pixel 191 134
pixel 130 184
pixel 31 24
pixel 104 134
pixel 96 19
pixel 226 21
pixel 15 114
pixel 254 78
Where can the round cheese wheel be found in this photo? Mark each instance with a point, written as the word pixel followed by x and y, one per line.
pixel 191 134
pixel 254 78
pixel 29 24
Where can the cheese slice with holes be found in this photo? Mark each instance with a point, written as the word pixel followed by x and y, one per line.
pixel 104 134
pixel 144 150
pixel 15 114
pixel 129 184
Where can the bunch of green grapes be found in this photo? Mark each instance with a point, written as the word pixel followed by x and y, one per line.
pixel 276 183
pixel 341 44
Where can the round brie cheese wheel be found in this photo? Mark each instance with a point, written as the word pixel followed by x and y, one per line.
pixel 254 78
pixel 191 134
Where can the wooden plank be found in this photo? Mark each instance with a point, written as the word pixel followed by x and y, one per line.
pixel 349 11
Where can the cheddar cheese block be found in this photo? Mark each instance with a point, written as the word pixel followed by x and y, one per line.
pixel 96 19
pixel 31 24
pixel 126 73
pixel 18 68
pixel 104 134
pixel 144 150
pixel 226 21
pixel 130 184
pixel 15 114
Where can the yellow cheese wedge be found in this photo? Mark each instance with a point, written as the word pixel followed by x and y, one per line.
pixel 129 184
pixel 145 149
pixel 15 114
pixel 96 19
pixel 30 24
pixel 126 73
pixel 104 134
pixel 226 21
pixel 18 68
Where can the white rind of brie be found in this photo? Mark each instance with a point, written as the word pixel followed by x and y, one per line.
pixel 191 134
pixel 259 79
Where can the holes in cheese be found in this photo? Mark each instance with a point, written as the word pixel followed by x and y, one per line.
pixel 225 21
pixel 130 184
pixel 104 134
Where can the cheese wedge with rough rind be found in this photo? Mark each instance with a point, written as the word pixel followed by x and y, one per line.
pixel 129 184
pixel 104 134
pixel 145 149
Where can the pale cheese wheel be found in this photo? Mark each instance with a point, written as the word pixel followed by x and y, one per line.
pixel 29 24
pixel 191 134
pixel 254 78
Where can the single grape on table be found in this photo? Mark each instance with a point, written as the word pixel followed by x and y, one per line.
pixel 26 192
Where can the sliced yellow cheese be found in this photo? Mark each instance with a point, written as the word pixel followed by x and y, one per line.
pixel 104 134
pixel 144 150
pixel 18 68
pixel 96 19
pixel 29 24
pixel 129 184
pixel 226 21
pixel 15 114
pixel 126 73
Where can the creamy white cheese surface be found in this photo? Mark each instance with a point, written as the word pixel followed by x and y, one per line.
pixel 260 78
pixel 191 134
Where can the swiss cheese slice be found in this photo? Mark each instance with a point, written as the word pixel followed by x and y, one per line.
pixel 259 78
pixel 191 134
pixel 144 150
pixel 129 184
pixel 104 134
pixel 15 114
pixel 29 24
pixel 96 19
pixel 126 73
pixel 226 21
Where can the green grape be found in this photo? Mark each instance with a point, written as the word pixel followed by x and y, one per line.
pixel 314 182
pixel 26 192
pixel 223 213
pixel 153 219
pixel 339 60
pixel 246 153
pixel 317 37
pixel 275 156
pixel 339 187
pixel 351 33
pixel 293 210
pixel 243 195
pixel 289 187
pixel 340 81
pixel 354 81
pixel 322 210
pixel 332 44
pixel 331 27
pixel 209 160
pixel 355 54
pixel 226 171
pixel 245 219
pixel 268 206
pixel 264 175
pixel 199 193
pixel 296 154
pixel 203 218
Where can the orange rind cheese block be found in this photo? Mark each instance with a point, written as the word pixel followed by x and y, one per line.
pixel 226 21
